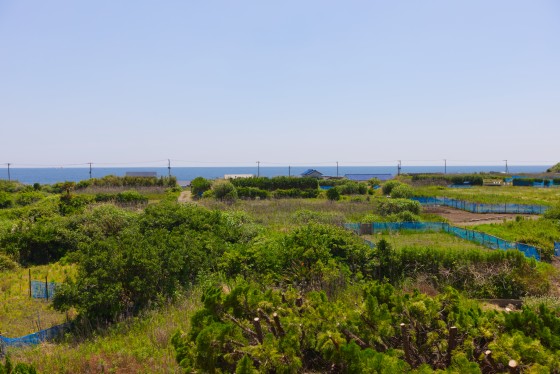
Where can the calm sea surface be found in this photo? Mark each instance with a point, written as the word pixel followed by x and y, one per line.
pixel 54 175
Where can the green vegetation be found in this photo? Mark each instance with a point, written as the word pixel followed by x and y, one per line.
pixel 473 180
pixel 554 169
pixel 262 284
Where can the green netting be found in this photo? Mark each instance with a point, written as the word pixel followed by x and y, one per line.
pixel 482 208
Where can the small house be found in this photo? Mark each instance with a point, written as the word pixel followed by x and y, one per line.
pixel 312 173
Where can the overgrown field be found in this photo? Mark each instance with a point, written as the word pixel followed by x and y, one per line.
pixel 269 283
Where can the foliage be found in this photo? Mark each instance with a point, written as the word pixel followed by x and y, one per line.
pixel 402 191
pixel 295 193
pixel 225 191
pixel 389 185
pixel 126 181
pixel 469 179
pixel 386 207
pixel 277 183
pixel 252 193
pixel 5 200
pixel 9 368
pixel 554 169
pixel 333 194
pixel 200 185
pixel 384 331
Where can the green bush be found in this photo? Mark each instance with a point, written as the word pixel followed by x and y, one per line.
pixel 5 200
pixel 200 185
pixel 252 193
pixel 131 197
pixel 386 207
pixel 225 191
pixel 402 191
pixel 333 194
pixel 389 185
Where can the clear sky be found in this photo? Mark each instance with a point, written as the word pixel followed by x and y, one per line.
pixel 287 82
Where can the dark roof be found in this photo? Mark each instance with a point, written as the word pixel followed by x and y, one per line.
pixel 366 177
pixel 147 174
pixel 311 172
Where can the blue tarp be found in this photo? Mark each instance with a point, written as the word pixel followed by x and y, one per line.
pixel 36 337
pixel 557 249
pixel 482 208
pixel 39 289
pixel 481 238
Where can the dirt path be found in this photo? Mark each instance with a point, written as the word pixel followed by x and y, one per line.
pixel 185 197
pixel 463 218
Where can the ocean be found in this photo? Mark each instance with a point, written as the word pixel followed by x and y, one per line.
pixel 54 175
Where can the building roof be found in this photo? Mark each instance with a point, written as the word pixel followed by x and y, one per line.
pixel 366 177
pixel 146 174
pixel 311 173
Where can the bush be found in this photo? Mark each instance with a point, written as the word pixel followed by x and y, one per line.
pixel 333 194
pixel 252 193
pixel 389 185
pixel 402 191
pixel 7 263
pixel 5 200
pixel 200 185
pixel 386 207
pixel 129 197
pixel 225 191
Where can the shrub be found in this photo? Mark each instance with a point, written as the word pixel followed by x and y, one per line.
pixel 333 194
pixel 225 191
pixel 200 185
pixel 402 191
pixel 5 200
pixel 386 207
pixel 7 263
pixel 129 197
pixel 252 193
pixel 389 185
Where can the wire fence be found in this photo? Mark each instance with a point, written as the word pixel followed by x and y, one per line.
pixel 481 238
pixel 35 338
pixel 482 208
pixel 43 290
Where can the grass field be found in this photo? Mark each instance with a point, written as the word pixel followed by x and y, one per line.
pixel 495 195
pixel 21 315
pixel 435 240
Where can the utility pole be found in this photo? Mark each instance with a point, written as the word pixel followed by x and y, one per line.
pixel 507 170
pixel 289 171
pixel 169 168
pixel 9 177
pixel 444 166
pixel 258 168
pixel 89 169
pixel 337 169
pixel 399 168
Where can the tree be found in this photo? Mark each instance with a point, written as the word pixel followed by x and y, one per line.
pixel 225 191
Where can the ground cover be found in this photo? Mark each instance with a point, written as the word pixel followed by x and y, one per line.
pixel 435 240
pixel 495 195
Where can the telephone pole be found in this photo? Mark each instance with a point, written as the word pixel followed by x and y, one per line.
pixel 90 169
pixel 507 170
pixel 289 171
pixel 337 169
pixel 258 168
pixel 399 168
pixel 169 168
pixel 9 177
pixel 444 166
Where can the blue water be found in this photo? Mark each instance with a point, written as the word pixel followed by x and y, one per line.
pixel 54 175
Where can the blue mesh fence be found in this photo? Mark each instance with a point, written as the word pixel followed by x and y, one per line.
pixel 482 208
pixel 35 338
pixel 556 249
pixel 39 289
pixel 481 238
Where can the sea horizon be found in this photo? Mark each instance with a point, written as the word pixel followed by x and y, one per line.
pixel 50 175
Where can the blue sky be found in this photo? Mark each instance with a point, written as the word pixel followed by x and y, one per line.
pixel 283 82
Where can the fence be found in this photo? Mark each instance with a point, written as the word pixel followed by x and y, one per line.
pixel 43 290
pixel 484 239
pixel 35 338
pixel 482 208
pixel 557 249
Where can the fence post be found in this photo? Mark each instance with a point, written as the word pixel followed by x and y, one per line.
pixel 47 287
pixel 30 283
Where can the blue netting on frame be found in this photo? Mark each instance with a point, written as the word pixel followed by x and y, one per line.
pixel 35 338
pixel 39 289
pixel 481 238
pixel 482 208
pixel 557 249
